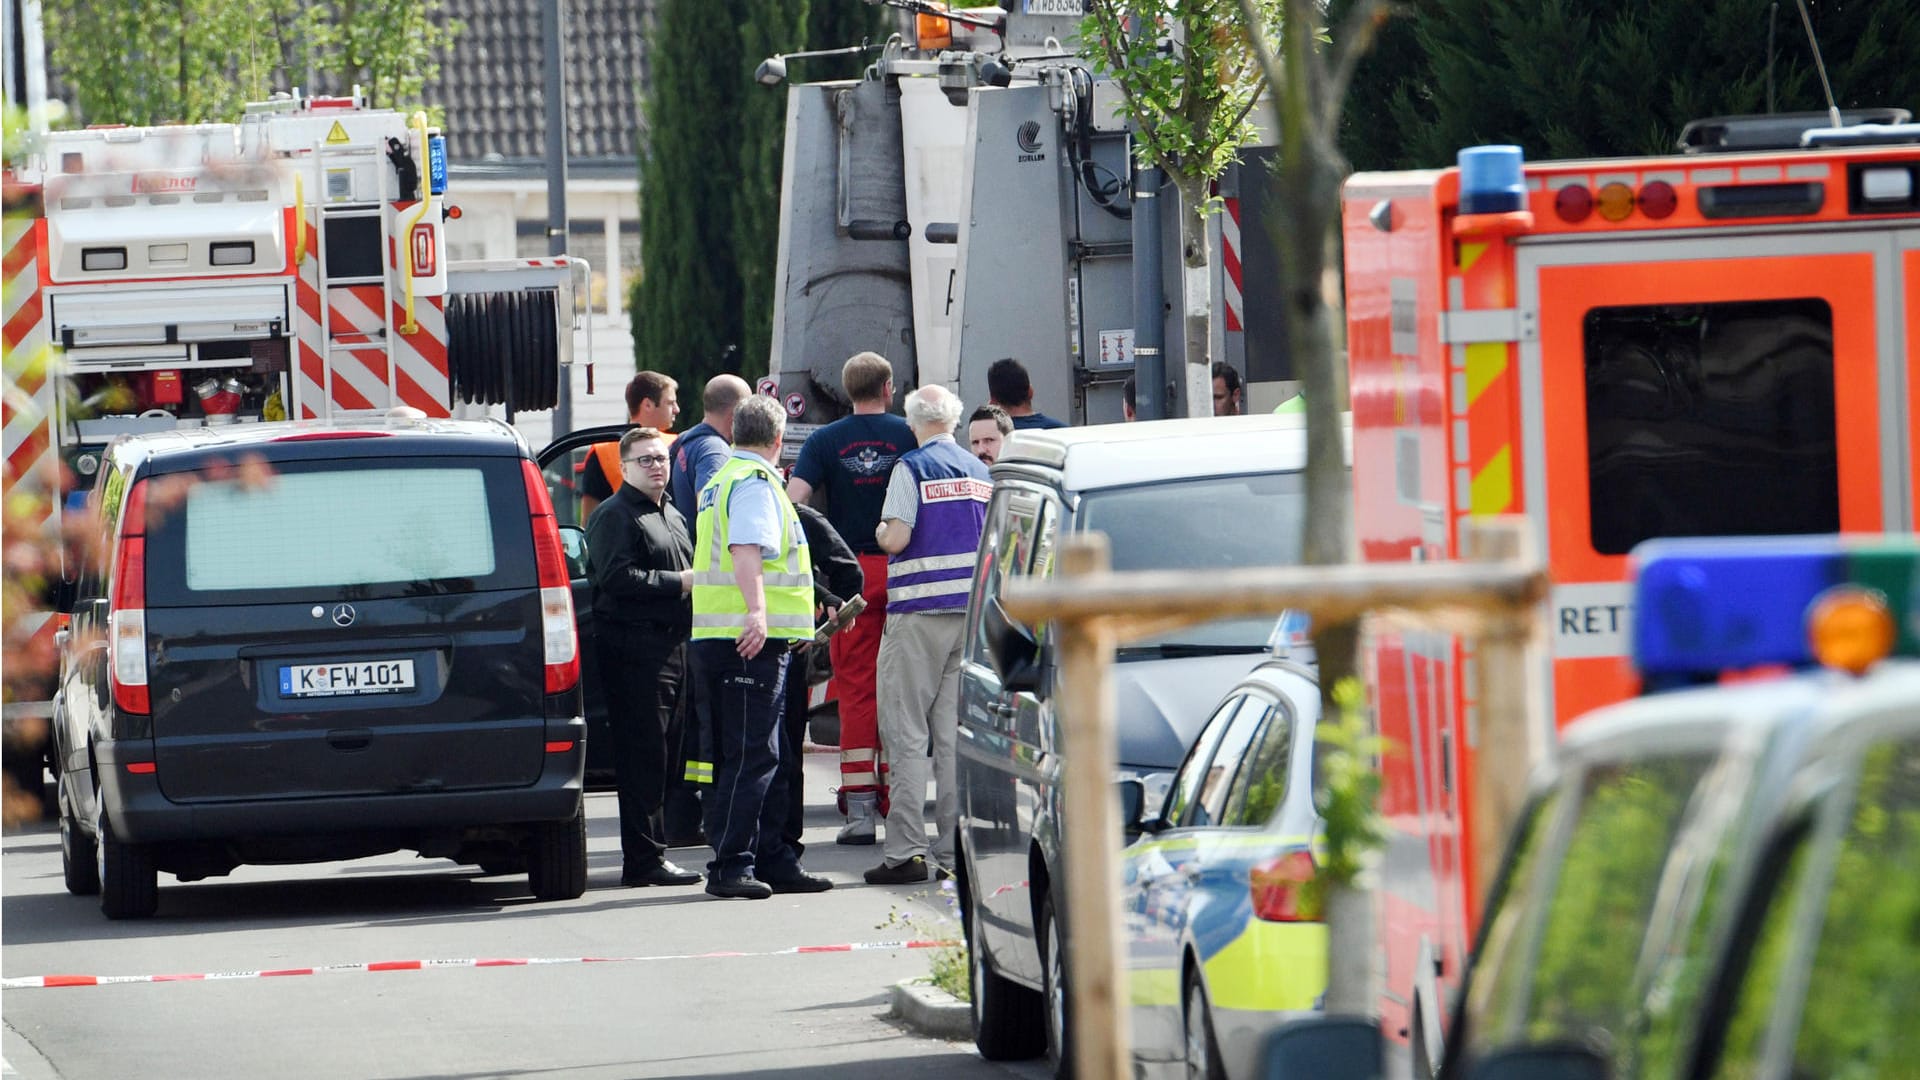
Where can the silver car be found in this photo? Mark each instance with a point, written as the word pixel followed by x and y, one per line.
pixel 1221 493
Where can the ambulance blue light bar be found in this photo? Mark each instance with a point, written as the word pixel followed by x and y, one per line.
pixel 1703 607
pixel 1493 180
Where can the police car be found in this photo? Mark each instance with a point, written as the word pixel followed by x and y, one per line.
pixel 1722 877
pixel 1221 943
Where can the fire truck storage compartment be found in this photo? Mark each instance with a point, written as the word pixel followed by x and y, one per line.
pixel 95 238
pixel 160 396
pixel 82 321
pixel 148 359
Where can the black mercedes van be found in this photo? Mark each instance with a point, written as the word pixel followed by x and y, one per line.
pixel 301 643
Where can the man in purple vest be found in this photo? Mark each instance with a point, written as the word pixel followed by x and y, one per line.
pixel 930 528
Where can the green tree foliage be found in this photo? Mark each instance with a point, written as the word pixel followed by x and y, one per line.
pixel 1188 83
pixel 771 26
pixel 196 61
pixel 147 64
pixel 1348 792
pixel 1568 78
pixel 834 24
pixel 710 175
pixel 686 304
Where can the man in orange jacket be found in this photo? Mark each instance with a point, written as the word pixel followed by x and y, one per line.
pixel 653 400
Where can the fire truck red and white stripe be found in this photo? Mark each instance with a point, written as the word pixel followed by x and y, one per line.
pixel 177 254
pixel 28 439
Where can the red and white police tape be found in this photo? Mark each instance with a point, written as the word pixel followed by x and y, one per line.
pixel 36 982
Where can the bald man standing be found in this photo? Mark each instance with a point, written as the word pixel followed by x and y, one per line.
pixel 704 447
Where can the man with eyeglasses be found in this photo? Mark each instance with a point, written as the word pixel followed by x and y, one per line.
pixel 642 558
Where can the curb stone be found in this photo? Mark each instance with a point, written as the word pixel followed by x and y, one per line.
pixel 932 1011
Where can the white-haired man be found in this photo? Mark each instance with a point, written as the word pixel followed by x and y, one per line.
pixel 930 528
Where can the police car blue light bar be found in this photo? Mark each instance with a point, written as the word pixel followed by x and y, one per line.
pixel 1703 607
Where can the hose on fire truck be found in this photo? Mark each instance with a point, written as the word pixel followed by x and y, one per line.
pixel 503 348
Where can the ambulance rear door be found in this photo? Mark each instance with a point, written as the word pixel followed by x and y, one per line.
pixel 1902 290
pixel 1706 383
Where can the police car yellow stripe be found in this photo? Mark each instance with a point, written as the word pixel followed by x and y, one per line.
pixel 1271 966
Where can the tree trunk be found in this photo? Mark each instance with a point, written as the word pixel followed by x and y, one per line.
pixel 1350 916
pixel 1308 187
pixel 1307 180
pixel 1196 296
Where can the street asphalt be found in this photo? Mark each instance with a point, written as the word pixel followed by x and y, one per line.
pixel 631 984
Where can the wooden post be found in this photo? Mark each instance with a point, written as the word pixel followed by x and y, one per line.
pixel 1086 705
pixel 1507 742
pixel 1092 609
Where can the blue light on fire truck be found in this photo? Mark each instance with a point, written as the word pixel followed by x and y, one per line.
pixel 437 164
pixel 1703 607
pixel 1492 180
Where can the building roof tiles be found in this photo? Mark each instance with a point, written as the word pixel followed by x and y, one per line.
pixel 491 82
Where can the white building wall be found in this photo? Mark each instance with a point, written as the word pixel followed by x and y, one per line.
pixel 487 229
pixel 490 211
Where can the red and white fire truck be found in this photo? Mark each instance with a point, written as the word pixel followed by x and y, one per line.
pixel 291 265
pixel 1718 343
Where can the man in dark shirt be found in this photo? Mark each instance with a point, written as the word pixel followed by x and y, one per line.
pixel 836 578
pixel 1012 389
pixel 987 431
pixel 849 462
pixel 703 447
pixel 642 557
pixel 697 453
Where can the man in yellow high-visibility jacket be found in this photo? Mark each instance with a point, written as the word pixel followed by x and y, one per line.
pixel 752 604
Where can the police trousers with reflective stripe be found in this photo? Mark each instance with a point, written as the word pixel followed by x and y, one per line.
pixel 855 651
pixel 746 811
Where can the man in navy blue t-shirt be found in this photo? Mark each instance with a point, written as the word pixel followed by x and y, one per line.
pixel 1012 389
pixel 849 462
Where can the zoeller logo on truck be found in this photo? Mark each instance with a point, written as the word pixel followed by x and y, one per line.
pixel 1028 137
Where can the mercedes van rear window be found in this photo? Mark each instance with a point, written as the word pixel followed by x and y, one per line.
pixel 345 527
pixel 359 527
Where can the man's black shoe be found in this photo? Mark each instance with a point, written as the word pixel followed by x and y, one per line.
pixel 906 873
pixel 799 881
pixel 738 888
pixel 661 873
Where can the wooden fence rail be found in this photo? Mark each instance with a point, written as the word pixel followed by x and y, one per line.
pixel 1498 599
